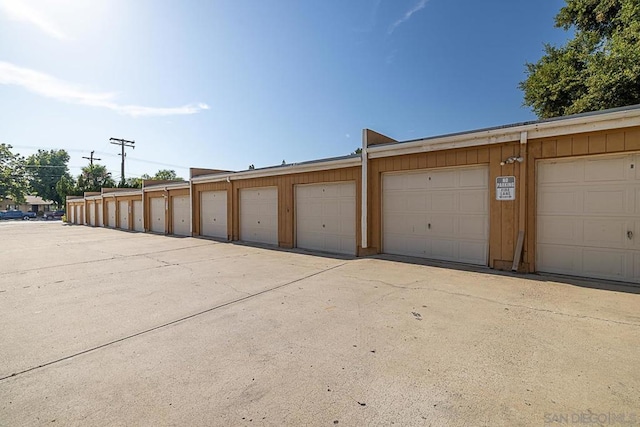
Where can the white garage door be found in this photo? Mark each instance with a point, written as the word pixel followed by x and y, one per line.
pixel 157 215
pixel 326 217
pixel 259 215
pixel 137 216
pixel 440 214
pixel 72 214
pixel 111 214
pixel 124 214
pixel 100 222
pixel 180 213
pixel 588 217
pixel 92 214
pixel 213 214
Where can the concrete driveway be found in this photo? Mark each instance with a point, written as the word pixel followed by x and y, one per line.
pixel 104 327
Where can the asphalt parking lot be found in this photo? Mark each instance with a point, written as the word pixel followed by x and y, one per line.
pixel 105 327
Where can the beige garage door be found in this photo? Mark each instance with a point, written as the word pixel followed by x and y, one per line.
pixel 72 214
pixel 123 214
pixel 111 213
pixel 259 215
pixel 588 217
pixel 180 213
pixel 439 213
pixel 137 216
pixel 157 215
pixel 326 217
pixel 100 215
pixel 213 214
pixel 92 213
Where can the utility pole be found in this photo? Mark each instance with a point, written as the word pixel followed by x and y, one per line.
pixel 91 159
pixel 122 143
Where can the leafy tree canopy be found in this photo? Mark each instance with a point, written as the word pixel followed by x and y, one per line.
pixel 44 169
pixel 598 69
pixel 13 183
pixel 164 174
pixel 94 178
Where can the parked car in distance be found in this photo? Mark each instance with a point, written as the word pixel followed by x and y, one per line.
pixel 53 215
pixel 17 215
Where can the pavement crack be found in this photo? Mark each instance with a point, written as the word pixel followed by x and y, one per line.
pixel 167 324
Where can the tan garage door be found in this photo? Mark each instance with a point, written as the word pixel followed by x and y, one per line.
pixel 72 214
pixel 100 215
pixel 92 213
pixel 157 215
pixel 588 217
pixel 326 217
pixel 181 213
pixel 213 214
pixel 123 214
pixel 259 215
pixel 438 213
pixel 137 216
pixel 111 214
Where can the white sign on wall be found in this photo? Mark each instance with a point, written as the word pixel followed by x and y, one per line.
pixel 506 188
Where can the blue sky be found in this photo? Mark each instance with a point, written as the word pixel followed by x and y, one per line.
pixel 228 83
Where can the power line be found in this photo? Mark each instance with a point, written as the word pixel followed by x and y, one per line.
pixel 91 158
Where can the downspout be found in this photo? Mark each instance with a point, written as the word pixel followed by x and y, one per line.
pixel 364 189
pixel 191 207
pixel 522 194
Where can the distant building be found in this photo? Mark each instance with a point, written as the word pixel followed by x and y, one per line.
pixel 32 204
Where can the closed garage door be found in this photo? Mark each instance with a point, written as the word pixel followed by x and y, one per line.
pixel 72 214
pixel 157 215
pixel 440 214
pixel 92 214
pixel 124 214
pixel 111 214
pixel 588 217
pixel 100 222
pixel 137 216
pixel 180 213
pixel 213 214
pixel 326 217
pixel 259 215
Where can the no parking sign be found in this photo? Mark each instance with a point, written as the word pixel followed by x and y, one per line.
pixel 506 188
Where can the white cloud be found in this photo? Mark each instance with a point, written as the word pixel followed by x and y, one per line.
pixel 51 87
pixel 18 10
pixel 417 7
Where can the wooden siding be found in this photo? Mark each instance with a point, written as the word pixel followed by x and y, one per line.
pixel 585 144
pixel 286 205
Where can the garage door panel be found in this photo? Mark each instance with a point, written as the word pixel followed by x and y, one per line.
pixel 604 233
pixel 325 217
pixel 449 222
pixel 111 214
pixel 443 202
pixel 563 201
pixel 213 214
pixel 555 229
pixel 137 216
pixel 601 170
pixel 100 215
pixel 259 215
pixel 604 264
pixel 559 173
pixel 475 178
pixel 582 226
pixel 157 214
pixel 180 212
pixel 605 200
pixel 124 215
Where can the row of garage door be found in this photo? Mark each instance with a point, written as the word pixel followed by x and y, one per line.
pixel 126 209
pixel 588 216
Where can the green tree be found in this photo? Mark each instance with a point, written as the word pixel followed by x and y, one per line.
pixel 13 183
pixel 166 174
pixel 67 186
pixel 45 168
pixel 132 183
pixel 94 178
pixel 599 68
pixel 357 151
